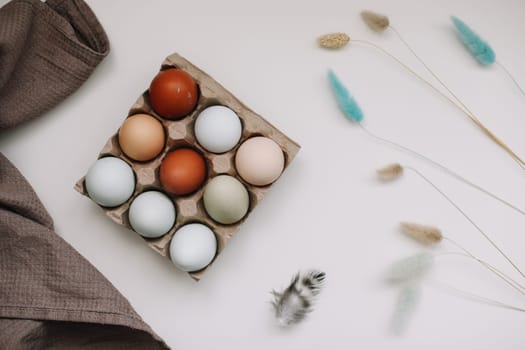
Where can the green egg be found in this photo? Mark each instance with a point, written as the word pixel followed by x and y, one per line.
pixel 226 199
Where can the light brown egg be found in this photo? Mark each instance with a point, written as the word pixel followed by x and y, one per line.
pixel 141 137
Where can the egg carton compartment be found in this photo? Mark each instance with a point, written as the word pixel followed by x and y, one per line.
pixel 180 134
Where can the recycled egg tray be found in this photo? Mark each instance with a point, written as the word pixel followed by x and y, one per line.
pixel 179 134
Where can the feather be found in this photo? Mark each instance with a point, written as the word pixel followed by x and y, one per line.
pixel 375 21
pixel 424 234
pixel 346 102
pixel 390 172
pixel 412 268
pixel 333 40
pixel 293 303
pixel 406 303
pixel 481 51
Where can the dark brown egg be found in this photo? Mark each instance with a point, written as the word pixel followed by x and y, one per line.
pixel 182 171
pixel 173 93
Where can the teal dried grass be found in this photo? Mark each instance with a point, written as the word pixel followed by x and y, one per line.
pixel 412 268
pixel 353 112
pixel 479 48
pixel 347 104
pixel 407 301
pixel 371 18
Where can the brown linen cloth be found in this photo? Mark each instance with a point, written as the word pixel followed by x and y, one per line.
pixel 50 296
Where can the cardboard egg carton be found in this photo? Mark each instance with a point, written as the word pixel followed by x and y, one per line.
pixel 180 133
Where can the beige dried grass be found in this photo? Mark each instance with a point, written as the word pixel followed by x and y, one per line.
pixel 375 21
pixel 390 172
pixel 427 235
pixel 333 40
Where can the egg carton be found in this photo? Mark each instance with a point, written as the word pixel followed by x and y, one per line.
pixel 179 133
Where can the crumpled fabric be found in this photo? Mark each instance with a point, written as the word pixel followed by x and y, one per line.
pixel 50 296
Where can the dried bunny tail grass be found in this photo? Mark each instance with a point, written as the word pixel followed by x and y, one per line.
pixel 432 235
pixel 425 234
pixel 479 48
pixel 333 40
pixel 390 172
pixel 412 268
pixel 375 21
pixel 406 304
pixel 346 102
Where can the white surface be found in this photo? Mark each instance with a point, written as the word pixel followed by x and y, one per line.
pixel 327 211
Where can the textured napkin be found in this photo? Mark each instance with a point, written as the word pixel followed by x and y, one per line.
pixel 50 296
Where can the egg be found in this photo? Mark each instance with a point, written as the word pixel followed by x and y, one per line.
pixel 226 199
pixel 173 93
pixel 193 247
pixel 141 137
pixel 182 171
pixel 218 129
pixel 259 161
pixel 110 181
pixel 152 214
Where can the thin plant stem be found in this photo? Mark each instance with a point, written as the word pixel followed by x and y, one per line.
pixel 475 297
pixel 510 76
pixel 458 100
pixel 447 198
pixel 443 168
pixel 474 119
pixel 507 279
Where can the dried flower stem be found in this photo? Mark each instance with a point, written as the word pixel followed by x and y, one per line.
pixel 430 71
pixel 447 198
pixel 475 297
pixel 441 167
pixel 466 111
pixel 465 253
pixel 510 76
pixel 458 100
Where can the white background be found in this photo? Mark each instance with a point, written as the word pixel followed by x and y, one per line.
pixel 327 211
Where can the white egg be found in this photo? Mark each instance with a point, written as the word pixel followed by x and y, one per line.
pixel 110 181
pixel 193 247
pixel 152 214
pixel 218 129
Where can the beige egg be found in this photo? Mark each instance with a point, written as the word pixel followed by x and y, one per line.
pixel 259 161
pixel 141 137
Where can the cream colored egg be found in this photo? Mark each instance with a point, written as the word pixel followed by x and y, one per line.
pixel 259 161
